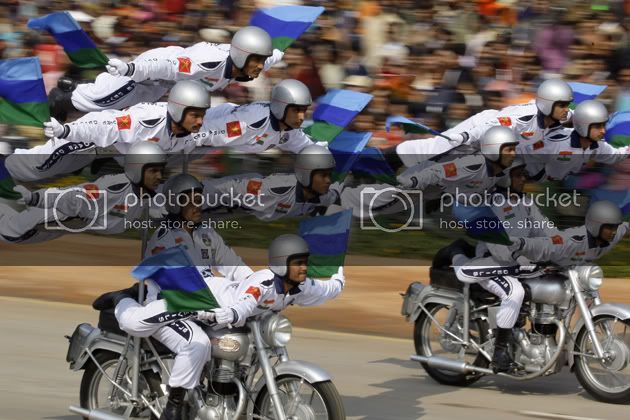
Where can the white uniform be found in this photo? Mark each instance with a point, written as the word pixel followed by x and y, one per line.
pixel 106 206
pixel 281 195
pixel 249 128
pixel 523 119
pixel 564 155
pixel 154 73
pixel 184 337
pixel 521 219
pixel 462 176
pixel 574 246
pixel 263 291
pixel 82 139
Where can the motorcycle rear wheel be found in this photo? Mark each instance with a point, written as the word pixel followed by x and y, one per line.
pixel 95 389
pixel 606 381
pixel 442 345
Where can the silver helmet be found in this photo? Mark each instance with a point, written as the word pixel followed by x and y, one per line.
pixel 247 41
pixel 552 91
pixel 187 94
pixel 289 92
pixel 282 249
pixel 177 185
pixel 587 113
pixel 312 158
pixel 602 213
pixel 494 139
pixel 506 181
pixel 139 156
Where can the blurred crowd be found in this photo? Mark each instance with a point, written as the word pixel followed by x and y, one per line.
pixel 437 60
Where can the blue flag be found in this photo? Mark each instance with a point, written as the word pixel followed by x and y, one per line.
pixel 585 91
pixel 346 148
pixel 285 24
pixel 327 238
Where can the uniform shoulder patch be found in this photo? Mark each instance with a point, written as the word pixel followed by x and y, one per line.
pixel 253 186
pixel 450 169
pixel 525 118
pixel 210 65
pixel 117 187
pixel 184 64
pixel 259 124
pixel 538 145
pixel 150 123
pixel 281 190
pixel 505 121
pixel 557 240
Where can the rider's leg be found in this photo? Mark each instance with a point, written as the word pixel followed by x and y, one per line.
pixel 511 293
pixel 143 321
pixel 192 346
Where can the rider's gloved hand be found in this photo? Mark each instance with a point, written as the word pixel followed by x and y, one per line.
pixel 54 128
pixel 117 67
pixel 207 316
pixel 27 196
pixel 225 316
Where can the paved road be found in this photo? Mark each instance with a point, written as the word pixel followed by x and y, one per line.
pixel 373 374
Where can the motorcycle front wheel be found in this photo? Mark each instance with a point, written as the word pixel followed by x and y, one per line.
pixel 430 340
pixel 607 380
pixel 302 400
pixel 97 392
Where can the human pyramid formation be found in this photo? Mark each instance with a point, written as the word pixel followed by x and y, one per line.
pixel 492 153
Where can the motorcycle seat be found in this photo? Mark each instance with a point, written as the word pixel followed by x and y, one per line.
pixel 107 322
pixel 447 279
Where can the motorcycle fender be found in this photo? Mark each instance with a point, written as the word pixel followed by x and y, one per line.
pixel 95 346
pixel 433 295
pixel 620 310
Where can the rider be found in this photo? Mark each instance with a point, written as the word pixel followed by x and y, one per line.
pixel 106 205
pixel 284 283
pixel 258 126
pixel 151 74
pixel 466 175
pixel 74 145
pixel 209 253
pixel 574 147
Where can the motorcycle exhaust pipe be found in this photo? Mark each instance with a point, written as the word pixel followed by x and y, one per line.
pixel 460 366
pixel 96 414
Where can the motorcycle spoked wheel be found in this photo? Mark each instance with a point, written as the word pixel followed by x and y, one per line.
pixel 318 401
pixel 95 389
pixel 606 381
pixel 429 340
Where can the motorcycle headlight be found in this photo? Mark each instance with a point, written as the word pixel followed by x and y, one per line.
pixel 276 330
pixel 590 277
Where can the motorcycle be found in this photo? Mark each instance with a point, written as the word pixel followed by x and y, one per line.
pixel 250 374
pixel 454 324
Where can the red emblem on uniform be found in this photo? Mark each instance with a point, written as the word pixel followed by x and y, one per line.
pixel 154 139
pixel 507 209
pixel 557 240
pixel 92 191
pixel 184 64
pixel 253 187
pixel 565 153
pixel 539 145
pixel 269 301
pixel 527 134
pixel 179 240
pixel 124 122
pixel 157 249
pixel 254 291
pixel 506 121
pixel 450 170
pixel 233 129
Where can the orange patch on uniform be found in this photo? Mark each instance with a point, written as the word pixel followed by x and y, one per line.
pixel 505 121
pixel 154 139
pixel 92 191
pixel 254 291
pixel 179 240
pixel 233 129
pixel 124 122
pixel 506 209
pixel 565 153
pixel 157 249
pixel 527 134
pixel 539 145
pixel 557 240
pixel 253 187
pixel 284 205
pixel 269 301
pixel 184 64
pixel 450 170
